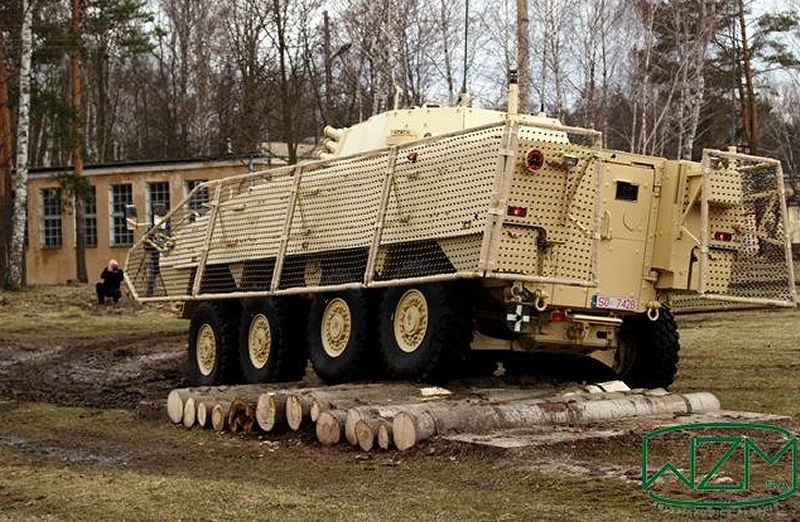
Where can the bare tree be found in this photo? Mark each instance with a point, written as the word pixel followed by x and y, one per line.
pixel 6 202
pixel 77 136
pixel 523 52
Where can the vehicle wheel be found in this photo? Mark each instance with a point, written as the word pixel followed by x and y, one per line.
pixel 425 331
pixel 647 356
pixel 212 341
pixel 338 337
pixel 270 348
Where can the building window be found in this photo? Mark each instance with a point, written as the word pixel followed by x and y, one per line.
pixel 121 195
pixel 157 198
pixel 51 218
pixel 90 218
pixel 199 201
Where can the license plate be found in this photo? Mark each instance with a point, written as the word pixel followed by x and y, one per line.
pixel 608 302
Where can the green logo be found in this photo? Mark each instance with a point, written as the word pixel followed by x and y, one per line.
pixel 719 465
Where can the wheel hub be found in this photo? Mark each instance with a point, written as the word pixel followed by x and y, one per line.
pixel 206 351
pixel 411 320
pixel 335 328
pixel 259 341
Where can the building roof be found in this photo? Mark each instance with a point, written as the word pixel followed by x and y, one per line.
pixel 273 154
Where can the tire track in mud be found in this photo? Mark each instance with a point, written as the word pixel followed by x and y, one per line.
pixel 116 371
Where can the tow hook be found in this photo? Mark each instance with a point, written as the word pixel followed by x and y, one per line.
pixel 653 310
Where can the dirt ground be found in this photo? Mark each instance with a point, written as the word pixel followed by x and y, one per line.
pixel 73 447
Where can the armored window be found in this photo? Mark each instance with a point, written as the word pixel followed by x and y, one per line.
pixel 627 191
pixel 157 199
pixel 121 195
pixel 199 200
pixel 51 218
pixel 90 218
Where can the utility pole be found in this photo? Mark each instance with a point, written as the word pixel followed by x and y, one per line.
pixel 523 50
pixel 77 145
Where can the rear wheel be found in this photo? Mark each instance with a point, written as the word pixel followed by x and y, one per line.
pixel 647 356
pixel 212 340
pixel 338 336
pixel 270 348
pixel 425 331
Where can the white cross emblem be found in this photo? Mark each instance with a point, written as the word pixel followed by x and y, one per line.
pixel 518 317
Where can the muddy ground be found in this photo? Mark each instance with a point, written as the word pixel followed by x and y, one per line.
pixel 72 446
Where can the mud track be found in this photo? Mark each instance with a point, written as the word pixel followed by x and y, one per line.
pixel 111 372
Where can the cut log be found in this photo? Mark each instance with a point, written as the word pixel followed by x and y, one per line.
pixel 369 412
pixel 330 427
pixel 219 415
pixel 242 415
pixel 175 401
pixel 418 422
pixel 409 429
pixel 204 407
pixel 320 404
pixel 367 432
pixel 385 435
pixel 345 396
pixel 271 411
pixel 298 408
pixel 189 412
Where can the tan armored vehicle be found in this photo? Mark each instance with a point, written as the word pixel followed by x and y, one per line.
pixel 427 239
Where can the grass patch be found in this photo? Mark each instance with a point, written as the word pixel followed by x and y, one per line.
pixel 173 474
pixel 750 360
pixel 69 312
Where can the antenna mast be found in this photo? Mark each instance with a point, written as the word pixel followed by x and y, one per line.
pixel 463 97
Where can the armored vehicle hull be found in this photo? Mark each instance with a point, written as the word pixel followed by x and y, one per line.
pixel 467 235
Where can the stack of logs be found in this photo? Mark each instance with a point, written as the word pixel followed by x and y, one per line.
pixel 400 415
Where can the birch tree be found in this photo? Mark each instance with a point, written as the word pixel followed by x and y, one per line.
pixel 16 269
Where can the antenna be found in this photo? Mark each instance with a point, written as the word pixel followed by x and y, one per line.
pixel 466 47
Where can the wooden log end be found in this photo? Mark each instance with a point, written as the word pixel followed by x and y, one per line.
pixel 315 410
pixel 203 414
pixel 271 411
pixel 189 412
pixel 385 436
pixel 175 406
pixel 353 416
pixel 241 416
pixel 408 429
pixel 365 435
pixel 218 417
pixel 296 409
pixel 330 427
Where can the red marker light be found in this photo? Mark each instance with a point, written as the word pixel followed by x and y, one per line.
pixel 534 160
pixel 519 212
pixel 558 316
pixel 722 236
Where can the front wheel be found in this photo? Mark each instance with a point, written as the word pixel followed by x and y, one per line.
pixel 425 331
pixel 647 356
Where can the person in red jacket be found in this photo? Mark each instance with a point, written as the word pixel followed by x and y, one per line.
pixel 112 277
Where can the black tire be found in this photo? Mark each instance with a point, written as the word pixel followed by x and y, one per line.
pixel 217 319
pixel 653 348
pixel 441 350
pixel 345 359
pixel 285 359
